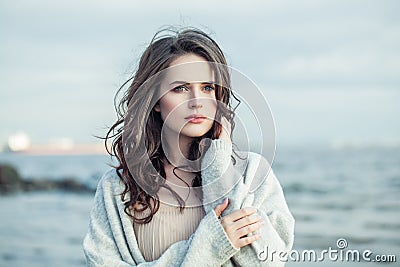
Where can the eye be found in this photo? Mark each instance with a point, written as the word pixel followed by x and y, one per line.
pixel 209 88
pixel 179 89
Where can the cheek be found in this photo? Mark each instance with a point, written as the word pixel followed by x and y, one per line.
pixel 168 105
pixel 211 107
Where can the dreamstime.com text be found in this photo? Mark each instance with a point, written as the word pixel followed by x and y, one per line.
pixel 341 253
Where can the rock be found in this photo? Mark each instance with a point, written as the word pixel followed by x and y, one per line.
pixel 10 180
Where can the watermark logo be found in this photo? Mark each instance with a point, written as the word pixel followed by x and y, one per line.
pixel 341 243
pixel 340 253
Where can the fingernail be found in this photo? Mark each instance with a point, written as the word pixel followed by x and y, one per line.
pixel 225 201
pixel 262 222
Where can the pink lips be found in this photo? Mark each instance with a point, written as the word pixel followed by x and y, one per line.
pixel 196 118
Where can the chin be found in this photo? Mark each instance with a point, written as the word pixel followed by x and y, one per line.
pixel 194 134
pixel 195 131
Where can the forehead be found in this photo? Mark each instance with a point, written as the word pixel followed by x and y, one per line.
pixel 190 69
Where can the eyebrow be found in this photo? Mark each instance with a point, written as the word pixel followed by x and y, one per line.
pixel 184 82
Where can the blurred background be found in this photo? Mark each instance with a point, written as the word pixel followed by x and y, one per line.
pixel 330 71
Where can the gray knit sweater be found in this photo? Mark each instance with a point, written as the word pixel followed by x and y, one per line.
pixel 111 240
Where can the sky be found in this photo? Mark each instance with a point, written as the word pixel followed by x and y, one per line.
pixel 330 70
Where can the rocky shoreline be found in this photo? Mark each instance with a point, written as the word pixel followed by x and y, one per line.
pixel 12 182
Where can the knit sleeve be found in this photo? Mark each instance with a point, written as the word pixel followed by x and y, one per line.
pixel 277 234
pixel 104 243
pixel 251 182
pixel 111 241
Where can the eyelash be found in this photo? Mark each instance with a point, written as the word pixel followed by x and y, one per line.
pixel 177 89
pixel 210 86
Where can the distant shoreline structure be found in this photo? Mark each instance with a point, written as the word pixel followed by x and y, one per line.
pixel 21 143
pixel 52 149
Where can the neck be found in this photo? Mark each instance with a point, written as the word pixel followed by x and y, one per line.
pixel 176 148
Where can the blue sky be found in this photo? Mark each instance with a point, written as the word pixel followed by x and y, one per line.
pixel 330 70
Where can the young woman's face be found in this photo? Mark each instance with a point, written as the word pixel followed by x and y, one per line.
pixel 187 97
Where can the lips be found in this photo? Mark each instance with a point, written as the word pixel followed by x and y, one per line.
pixel 196 118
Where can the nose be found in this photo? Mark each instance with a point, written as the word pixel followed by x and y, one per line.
pixel 195 101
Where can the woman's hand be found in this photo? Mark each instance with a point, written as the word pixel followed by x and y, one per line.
pixel 239 224
pixel 226 129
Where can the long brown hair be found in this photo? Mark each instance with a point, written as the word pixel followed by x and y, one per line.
pixel 144 177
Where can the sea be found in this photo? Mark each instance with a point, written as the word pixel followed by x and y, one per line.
pixel 346 202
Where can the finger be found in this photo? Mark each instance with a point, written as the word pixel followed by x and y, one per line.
pixel 236 215
pixel 225 124
pixel 220 208
pixel 247 240
pixel 226 128
pixel 245 221
pixel 248 229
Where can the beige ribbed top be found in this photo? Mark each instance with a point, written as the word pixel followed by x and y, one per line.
pixel 168 226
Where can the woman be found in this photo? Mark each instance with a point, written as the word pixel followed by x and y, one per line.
pixel 179 196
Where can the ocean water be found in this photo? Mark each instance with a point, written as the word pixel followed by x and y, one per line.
pixel 351 194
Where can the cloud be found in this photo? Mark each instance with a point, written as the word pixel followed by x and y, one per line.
pixel 79 52
pixel 342 65
pixel 336 51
